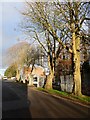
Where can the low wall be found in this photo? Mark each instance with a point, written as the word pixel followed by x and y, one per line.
pixel 66 83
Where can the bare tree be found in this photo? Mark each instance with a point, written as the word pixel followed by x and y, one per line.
pixel 22 54
pixel 64 18
pixel 47 41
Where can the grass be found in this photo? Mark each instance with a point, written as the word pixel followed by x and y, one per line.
pixel 83 98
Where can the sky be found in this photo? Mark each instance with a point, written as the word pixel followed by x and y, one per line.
pixel 10 19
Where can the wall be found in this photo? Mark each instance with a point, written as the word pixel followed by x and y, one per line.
pixel 66 83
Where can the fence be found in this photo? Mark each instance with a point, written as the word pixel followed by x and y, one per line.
pixel 67 83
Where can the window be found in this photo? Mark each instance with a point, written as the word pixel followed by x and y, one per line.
pixel 35 79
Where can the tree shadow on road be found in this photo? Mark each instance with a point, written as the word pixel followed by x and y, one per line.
pixel 15 103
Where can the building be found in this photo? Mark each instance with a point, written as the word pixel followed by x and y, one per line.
pixel 63 71
pixel 33 76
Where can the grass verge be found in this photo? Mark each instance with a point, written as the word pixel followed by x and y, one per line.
pixel 83 98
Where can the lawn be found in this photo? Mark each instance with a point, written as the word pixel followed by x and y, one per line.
pixel 83 98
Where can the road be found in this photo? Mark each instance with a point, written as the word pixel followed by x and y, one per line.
pixel 20 101
pixel 15 103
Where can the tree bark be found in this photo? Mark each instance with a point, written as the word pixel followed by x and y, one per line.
pixel 76 60
pixel 49 79
pixel 18 75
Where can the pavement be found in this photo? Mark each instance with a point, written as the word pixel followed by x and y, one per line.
pixel 21 101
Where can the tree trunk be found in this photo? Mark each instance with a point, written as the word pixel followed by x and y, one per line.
pixel 49 79
pixel 76 60
pixel 77 77
pixel 18 75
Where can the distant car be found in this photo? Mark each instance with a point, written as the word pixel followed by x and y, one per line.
pixel 13 78
pixel 4 78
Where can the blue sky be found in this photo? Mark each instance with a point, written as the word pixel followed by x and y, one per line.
pixel 9 21
pixel 10 18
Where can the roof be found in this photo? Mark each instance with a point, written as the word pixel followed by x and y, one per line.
pixel 37 70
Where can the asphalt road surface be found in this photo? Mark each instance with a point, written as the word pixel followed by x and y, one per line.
pixel 20 101
pixel 15 103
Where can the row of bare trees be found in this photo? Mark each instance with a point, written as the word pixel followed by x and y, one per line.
pixel 57 25
pixel 22 54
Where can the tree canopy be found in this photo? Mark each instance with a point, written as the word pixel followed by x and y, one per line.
pixel 62 23
pixel 11 71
